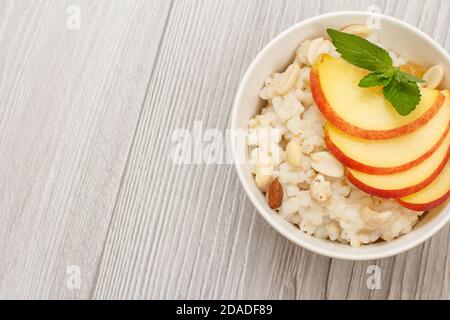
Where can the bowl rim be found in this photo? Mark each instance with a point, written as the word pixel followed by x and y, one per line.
pixel 264 212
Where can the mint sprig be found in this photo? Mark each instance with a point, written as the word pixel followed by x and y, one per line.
pixel 376 78
pixel 399 88
pixel 404 95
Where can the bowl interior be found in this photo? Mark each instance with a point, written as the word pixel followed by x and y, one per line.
pixel 396 35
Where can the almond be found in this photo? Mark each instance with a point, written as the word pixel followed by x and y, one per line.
pixel 358 29
pixel 275 194
pixel 326 164
pixel 433 76
pixel 320 189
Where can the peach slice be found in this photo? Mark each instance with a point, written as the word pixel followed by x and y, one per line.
pixel 390 155
pixel 432 196
pixel 364 112
pixel 402 184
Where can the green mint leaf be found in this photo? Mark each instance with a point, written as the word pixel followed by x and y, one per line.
pixel 408 77
pixel 403 95
pixel 399 88
pixel 376 79
pixel 360 52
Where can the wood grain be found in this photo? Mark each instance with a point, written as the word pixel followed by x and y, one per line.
pixel 70 102
pixel 189 231
pixel 86 178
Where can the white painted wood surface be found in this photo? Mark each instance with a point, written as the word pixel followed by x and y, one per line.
pixel 86 117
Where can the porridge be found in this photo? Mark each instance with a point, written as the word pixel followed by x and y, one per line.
pixel 302 178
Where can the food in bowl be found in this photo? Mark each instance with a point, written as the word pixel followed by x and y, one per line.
pixel 344 162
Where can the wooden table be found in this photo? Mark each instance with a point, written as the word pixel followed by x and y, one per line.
pixel 91 205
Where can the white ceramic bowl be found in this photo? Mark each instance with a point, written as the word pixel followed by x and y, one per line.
pixel 406 40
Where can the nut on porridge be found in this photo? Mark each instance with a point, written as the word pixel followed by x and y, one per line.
pixel 305 181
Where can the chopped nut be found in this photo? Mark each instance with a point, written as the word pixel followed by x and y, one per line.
pixel 376 219
pixel 303 185
pixel 320 188
pixel 287 80
pixel 326 164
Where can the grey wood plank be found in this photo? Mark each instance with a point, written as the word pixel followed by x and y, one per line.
pixel 189 231
pixel 70 101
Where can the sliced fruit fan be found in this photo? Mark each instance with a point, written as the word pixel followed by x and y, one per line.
pixel 385 154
